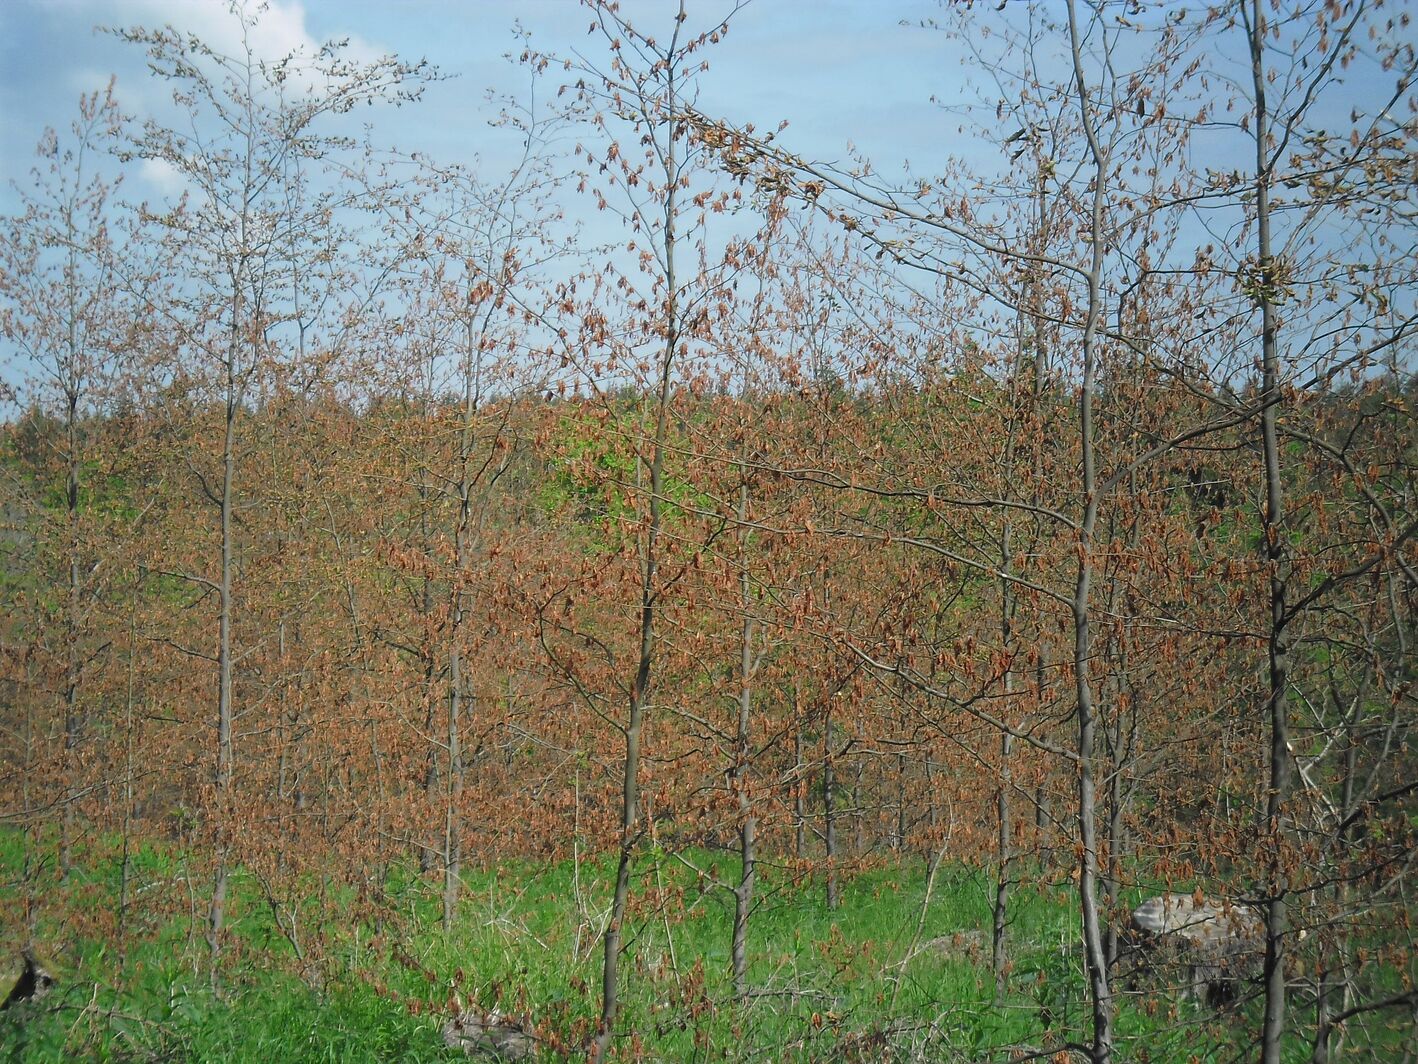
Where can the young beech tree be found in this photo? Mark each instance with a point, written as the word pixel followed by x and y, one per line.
pixel 66 312
pixel 239 237
pixel 728 446
pixel 1329 292
pixel 475 247
pixel 1114 206
pixel 640 95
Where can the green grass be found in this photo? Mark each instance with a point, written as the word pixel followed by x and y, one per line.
pixel 527 940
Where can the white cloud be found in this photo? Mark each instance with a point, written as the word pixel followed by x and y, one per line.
pixel 277 28
pixel 162 176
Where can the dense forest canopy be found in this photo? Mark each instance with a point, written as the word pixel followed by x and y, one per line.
pixel 733 530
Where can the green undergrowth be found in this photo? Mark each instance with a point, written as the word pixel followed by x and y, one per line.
pixel 872 980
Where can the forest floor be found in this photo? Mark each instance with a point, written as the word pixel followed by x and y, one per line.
pixel 875 979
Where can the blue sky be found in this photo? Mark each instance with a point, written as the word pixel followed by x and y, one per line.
pixel 842 72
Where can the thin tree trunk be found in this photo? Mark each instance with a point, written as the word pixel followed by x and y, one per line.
pixel 452 821
pixel 217 911
pixel 126 866
pixel 829 807
pixel 1334 974
pixel 452 824
pixel 799 776
pixel 1274 547
pixel 998 953
pixel 898 837
pixel 859 820
pixel 1008 606
pixel 1042 842
pixel 284 731
pixel 932 812
pixel 630 793
pixel 1121 744
pixel 1095 957
pixel 428 847
pixel 71 640
pixel 72 385
pixel 1111 869
pixel 235 394
pixel 649 592
pixel 748 822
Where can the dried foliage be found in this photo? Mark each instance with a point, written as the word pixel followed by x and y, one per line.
pixel 363 526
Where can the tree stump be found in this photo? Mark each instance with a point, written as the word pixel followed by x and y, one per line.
pixel 35 982
pixel 489 1034
pixel 1203 946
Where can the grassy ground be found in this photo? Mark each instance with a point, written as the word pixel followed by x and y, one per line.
pixel 837 985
